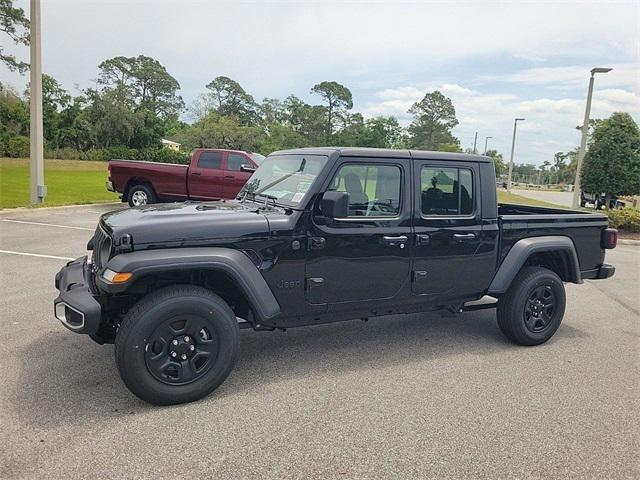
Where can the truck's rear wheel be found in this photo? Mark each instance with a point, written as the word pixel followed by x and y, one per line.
pixel 177 345
pixel 533 307
pixel 140 195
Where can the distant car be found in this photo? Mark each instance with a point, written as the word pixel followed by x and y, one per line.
pixel 212 174
pixel 501 184
pixel 600 200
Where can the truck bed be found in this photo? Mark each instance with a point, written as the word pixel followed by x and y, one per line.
pixel 168 179
pixel 584 229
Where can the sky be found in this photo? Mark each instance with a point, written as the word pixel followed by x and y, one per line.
pixel 495 60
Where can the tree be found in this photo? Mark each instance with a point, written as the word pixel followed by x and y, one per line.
pixel 339 100
pixel 612 164
pixel 228 98
pixel 54 100
pixel 307 120
pixel 434 117
pixel 141 83
pixel 15 24
pixel 216 131
pixel 498 161
pixel 14 120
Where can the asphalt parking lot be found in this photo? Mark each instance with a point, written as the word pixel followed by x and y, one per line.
pixel 417 396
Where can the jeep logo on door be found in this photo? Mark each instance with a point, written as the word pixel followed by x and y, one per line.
pixel 283 284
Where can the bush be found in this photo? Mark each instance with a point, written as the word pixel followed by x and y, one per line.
pixel 627 218
pixel 18 147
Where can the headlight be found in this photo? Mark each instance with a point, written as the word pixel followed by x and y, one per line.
pixel 105 250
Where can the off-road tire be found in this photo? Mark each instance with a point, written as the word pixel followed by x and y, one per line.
pixel 512 310
pixel 140 191
pixel 140 325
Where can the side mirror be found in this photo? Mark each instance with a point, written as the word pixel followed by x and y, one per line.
pixel 245 167
pixel 335 204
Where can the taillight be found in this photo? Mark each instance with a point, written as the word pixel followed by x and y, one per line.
pixel 609 238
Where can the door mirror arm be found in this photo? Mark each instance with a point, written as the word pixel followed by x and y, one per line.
pixel 247 168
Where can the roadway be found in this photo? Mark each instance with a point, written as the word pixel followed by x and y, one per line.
pixel 416 396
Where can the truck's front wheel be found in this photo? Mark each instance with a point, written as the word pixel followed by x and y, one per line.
pixel 533 307
pixel 177 345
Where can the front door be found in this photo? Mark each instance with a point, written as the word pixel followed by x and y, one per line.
pixel 234 176
pixel 448 229
pixel 366 256
pixel 206 176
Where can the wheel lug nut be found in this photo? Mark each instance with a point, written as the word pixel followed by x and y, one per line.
pixel 192 348
pixel 175 342
pixel 186 338
pixel 173 354
pixel 183 356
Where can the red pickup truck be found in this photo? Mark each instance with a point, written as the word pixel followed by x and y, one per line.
pixel 212 174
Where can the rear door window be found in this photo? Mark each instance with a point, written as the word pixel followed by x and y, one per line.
pixel 211 160
pixel 446 191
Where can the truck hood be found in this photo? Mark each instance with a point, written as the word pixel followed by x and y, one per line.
pixel 187 223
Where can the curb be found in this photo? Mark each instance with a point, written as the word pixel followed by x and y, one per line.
pixel 625 241
pixel 9 211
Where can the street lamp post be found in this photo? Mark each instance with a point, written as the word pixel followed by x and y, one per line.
pixel 486 139
pixel 513 147
pixel 36 166
pixel 583 139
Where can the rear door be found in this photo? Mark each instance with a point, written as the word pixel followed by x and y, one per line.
pixel 234 176
pixel 206 175
pixel 448 229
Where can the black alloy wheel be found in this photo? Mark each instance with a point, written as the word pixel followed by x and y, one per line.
pixel 181 350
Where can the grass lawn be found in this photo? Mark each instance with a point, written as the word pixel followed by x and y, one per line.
pixel 72 182
pixel 69 182
pixel 504 197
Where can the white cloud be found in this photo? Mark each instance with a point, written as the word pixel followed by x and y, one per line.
pixel 550 124
pixel 389 53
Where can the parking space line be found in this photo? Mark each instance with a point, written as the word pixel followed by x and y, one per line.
pixel 11 252
pixel 46 224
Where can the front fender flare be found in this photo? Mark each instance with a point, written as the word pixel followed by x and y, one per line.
pixel 526 247
pixel 232 262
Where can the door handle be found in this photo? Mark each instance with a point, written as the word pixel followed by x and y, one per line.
pixel 395 241
pixel 463 237
pixel 228 176
pixel 197 174
pixel 422 239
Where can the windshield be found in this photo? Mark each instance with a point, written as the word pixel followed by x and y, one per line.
pixel 285 178
pixel 257 158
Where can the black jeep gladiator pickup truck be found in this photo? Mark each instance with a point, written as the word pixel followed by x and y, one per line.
pixel 320 235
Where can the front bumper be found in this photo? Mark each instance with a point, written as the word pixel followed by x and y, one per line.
pixel 605 271
pixel 76 307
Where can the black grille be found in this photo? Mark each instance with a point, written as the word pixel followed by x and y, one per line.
pixel 101 249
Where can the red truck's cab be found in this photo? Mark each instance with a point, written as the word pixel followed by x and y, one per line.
pixel 212 174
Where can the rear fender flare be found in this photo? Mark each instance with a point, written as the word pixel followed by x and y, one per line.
pixel 232 262
pixel 523 249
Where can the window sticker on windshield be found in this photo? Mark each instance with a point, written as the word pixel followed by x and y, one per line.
pixel 303 187
pixel 297 197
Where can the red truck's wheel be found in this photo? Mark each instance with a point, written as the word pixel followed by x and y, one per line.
pixel 140 195
pixel 532 310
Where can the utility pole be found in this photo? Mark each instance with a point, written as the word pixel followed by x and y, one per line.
pixel 475 140
pixel 583 139
pixel 513 147
pixel 38 190
pixel 486 139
